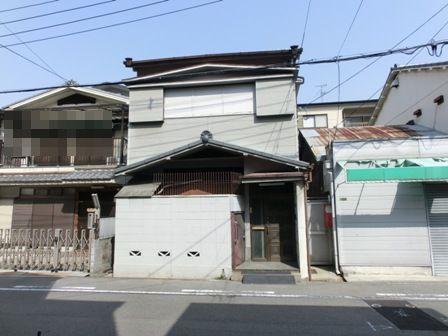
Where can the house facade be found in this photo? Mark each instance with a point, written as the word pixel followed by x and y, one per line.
pixel 349 113
pixel 213 179
pixel 59 147
pixel 414 94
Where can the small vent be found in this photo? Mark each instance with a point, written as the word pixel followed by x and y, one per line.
pixel 135 253
pixel 164 253
pixel 193 254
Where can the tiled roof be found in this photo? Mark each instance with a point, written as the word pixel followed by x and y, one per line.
pixel 88 175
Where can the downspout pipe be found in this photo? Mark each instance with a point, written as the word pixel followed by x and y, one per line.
pixel 333 214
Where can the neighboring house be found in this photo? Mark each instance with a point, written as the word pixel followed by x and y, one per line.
pixel 213 181
pixel 415 94
pixel 387 185
pixel 59 147
pixel 335 114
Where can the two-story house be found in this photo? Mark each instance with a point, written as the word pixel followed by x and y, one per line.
pixel 213 179
pixel 59 147
pixel 349 113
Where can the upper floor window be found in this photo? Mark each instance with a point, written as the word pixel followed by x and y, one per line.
pixel 209 101
pixel 315 120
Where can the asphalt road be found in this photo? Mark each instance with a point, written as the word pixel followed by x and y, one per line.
pixel 108 306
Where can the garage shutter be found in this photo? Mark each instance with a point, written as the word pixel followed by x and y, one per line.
pixel 437 207
pixel 22 214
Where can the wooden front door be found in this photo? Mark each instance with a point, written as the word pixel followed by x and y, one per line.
pixel 273 224
pixel 238 252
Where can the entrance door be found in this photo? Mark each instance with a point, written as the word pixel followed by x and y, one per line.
pixel 320 245
pixel 437 211
pixel 238 253
pixel 272 223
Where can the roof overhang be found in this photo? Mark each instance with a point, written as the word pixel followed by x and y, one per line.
pixel 272 177
pixel 209 143
pixel 208 69
pixel 86 90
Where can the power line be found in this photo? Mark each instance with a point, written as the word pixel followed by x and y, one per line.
pixel 30 60
pixel 170 76
pixel 379 57
pixel 208 72
pixel 406 50
pixel 306 23
pixel 60 11
pixel 407 63
pixel 350 27
pixel 116 24
pixel 27 6
pixel 339 53
pixel 34 53
pixel 86 18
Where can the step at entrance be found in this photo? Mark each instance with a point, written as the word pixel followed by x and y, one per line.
pixel 268 278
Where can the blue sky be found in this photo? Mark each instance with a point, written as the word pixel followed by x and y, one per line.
pixel 232 25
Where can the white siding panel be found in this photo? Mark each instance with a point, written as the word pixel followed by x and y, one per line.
pixel 146 105
pixel 275 97
pixel 272 136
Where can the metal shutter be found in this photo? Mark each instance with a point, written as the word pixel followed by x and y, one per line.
pixel 22 214
pixel 437 208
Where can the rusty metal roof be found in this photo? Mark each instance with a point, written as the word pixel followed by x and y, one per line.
pixel 319 138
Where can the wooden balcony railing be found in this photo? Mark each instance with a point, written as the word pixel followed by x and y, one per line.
pixel 197 182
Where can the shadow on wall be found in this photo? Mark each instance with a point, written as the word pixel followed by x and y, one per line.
pixel 27 313
pixel 243 319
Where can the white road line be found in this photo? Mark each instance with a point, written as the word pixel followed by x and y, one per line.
pixel 411 294
pixel 74 287
pixel 371 326
pixel 259 292
pixel 185 293
pixel 204 293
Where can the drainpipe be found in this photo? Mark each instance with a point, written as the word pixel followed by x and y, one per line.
pixel 333 216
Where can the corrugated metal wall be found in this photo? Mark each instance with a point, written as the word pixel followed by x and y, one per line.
pixel 437 207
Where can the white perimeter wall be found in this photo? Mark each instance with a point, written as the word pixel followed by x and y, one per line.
pixel 178 224
pixel 383 224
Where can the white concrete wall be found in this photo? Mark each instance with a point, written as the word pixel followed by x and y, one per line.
pixel 178 224
pixel 383 224
pixel 417 90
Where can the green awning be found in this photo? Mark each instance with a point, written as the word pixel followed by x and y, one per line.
pixel 403 170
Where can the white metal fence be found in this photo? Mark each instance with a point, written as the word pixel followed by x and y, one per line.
pixel 55 250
